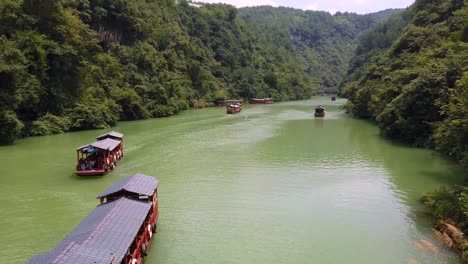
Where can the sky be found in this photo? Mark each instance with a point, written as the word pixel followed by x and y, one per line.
pixel 332 6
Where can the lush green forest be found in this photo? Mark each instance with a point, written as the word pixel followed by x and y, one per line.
pixel 410 75
pixel 322 43
pixel 412 80
pixel 79 64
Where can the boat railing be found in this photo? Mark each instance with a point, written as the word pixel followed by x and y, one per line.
pixel 155 213
pixel 143 241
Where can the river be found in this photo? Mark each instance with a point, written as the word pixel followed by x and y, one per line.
pixel 272 184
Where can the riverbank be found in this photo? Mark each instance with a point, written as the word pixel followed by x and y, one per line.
pixel 84 118
pixel 450 211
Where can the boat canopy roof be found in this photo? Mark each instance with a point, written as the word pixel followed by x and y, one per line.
pixel 105 144
pixel 106 233
pixel 137 183
pixel 110 134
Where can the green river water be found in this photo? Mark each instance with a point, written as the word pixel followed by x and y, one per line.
pixel 269 185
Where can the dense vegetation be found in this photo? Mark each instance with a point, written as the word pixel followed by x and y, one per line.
pixel 372 43
pixel 415 85
pixel 410 75
pixel 80 64
pixel 450 206
pixel 322 43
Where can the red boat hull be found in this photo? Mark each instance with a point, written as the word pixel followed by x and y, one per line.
pixel 90 172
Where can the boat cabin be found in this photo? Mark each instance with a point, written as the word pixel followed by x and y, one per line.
pixel 137 186
pixel 228 102
pixel 233 108
pixel 118 231
pixel 113 135
pixel 319 111
pixel 261 101
pixel 99 157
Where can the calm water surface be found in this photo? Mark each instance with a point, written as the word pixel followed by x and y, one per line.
pixel 269 185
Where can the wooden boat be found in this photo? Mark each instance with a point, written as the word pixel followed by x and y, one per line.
pixel 120 230
pixel 319 111
pixel 228 102
pixel 233 108
pixel 113 135
pixel 99 157
pixel 333 98
pixel 261 101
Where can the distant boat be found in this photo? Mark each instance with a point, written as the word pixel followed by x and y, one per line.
pixel 99 157
pixel 228 102
pixel 261 101
pixel 319 111
pixel 233 108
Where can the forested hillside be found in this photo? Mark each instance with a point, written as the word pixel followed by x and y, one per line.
pixel 415 84
pixel 410 75
pixel 69 65
pixel 372 43
pixel 79 64
pixel 322 43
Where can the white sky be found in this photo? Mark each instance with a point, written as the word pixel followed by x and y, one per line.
pixel 332 6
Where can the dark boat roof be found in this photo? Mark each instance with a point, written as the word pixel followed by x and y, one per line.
pixel 105 144
pixel 110 134
pixel 107 231
pixel 137 183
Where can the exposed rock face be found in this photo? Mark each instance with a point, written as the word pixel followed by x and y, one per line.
pixel 434 249
pixel 453 232
pixel 451 236
pixel 412 261
pixel 443 238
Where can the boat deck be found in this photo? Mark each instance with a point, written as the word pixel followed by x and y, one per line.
pixel 119 230
pixel 105 234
